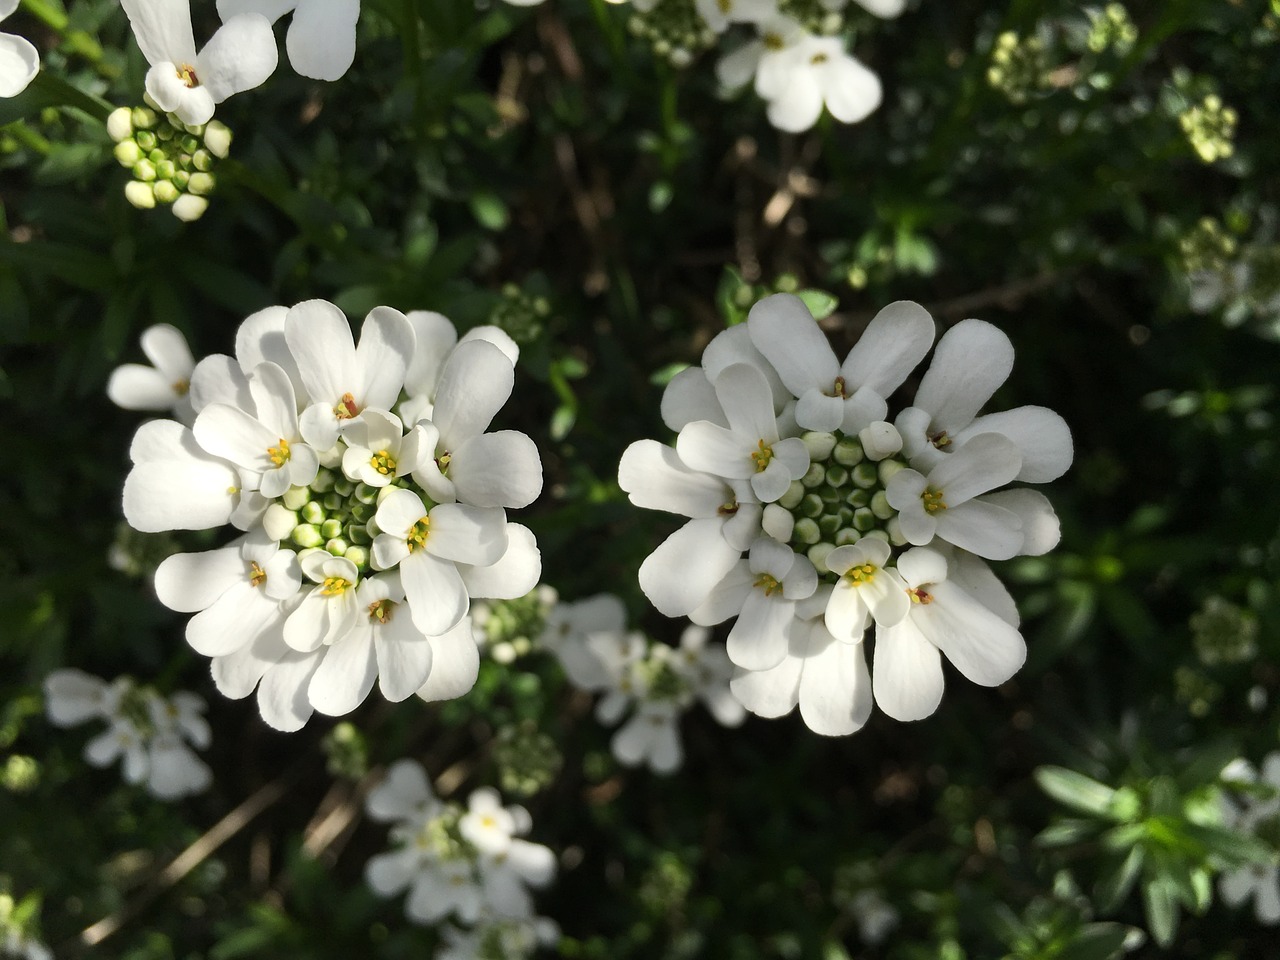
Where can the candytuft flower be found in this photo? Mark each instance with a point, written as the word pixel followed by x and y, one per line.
pixel 19 60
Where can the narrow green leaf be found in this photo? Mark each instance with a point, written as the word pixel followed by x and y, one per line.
pixel 1096 941
pixel 1160 900
pixel 1075 790
pixel 1115 885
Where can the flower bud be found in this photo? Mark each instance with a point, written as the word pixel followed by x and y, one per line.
pixel 144 170
pixel 357 555
pixel 357 534
pixel 814 475
pixel 795 493
pixel 180 179
pixel 366 493
pixel 837 476
pixel 279 521
pixel 777 522
pixel 847 535
pixel 165 192
pixel 879 440
pixel 201 184
pixel 312 512
pixel 143 118
pixel 217 138
pixel 806 531
pixel 818 554
pixel 848 452
pixel 880 506
pixel 165 169
pixel 201 160
pixel 812 505
pixel 306 535
pixel 343 487
pixel 888 469
pixel 146 139
pixel 139 194
pixel 323 482
pixel 127 153
pixel 295 498
pixel 863 519
pixel 331 529
pixel 865 475
pixel 188 207
pixel 819 444
pixel 336 545
pixel 894 529
pixel 120 124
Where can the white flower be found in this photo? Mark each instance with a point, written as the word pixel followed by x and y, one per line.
pixel 826 677
pixel 874 916
pixel 1259 881
pixel 175 484
pixel 72 696
pixel 19 60
pixel 866 589
pixel 510 938
pixel 166 385
pixel 718 14
pixel 568 632
pixel 238 57
pixel 764 58
pixel 972 360
pixel 321 42
pixel 329 610
pixel 817 72
pixel 947 618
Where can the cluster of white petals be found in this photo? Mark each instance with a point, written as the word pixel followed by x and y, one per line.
pixel 649 683
pixel 365 533
pixel 1255 813
pixel 19 60
pixel 152 735
pixel 321 41
pixel 795 70
pixel 884 522
pixel 467 864
pixel 241 55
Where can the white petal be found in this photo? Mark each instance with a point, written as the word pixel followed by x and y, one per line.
pixel 282 694
pixel 758 640
pixel 455 664
pixel 162 29
pixel 983 647
pixel 474 384
pixel 402 793
pixel 132 386
pixel 978 580
pixel 434 337
pixel 188 582
pixel 386 347
pixel 689 397
pixel 1042 437
pixel 435 592
pixel 983 463
pixel 973 358
pixel 655 478
pixel 403 654
pixel 713 449
pixel 890 348
pixel 798 103
pixel 1040 528
pixel 73 696
pixel 236 674
pixel 177 486
pixel 233 435
pixel 219 379
pixel 232 621
pixel 769 693
pixel 850 90
pixel 467 534
pixel 322 38
pixel 345 675
pixel 500 469
pixel 744 394
pixel 680 574
pixel 19 64
pixel 835 687
pixel 990 531
pixel 906 672
pixel 319 337
pixel 514 574
pixel 389 873
pixel 238 57
pixel 783 329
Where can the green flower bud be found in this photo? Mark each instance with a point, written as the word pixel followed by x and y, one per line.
pixel 139 194
pixel 829 524
pixel 847 535
pixel 858 498
pixel 295 498
pixel 837 476
pixel 312 512
pixel 120 124
pixel 795 493
pixel 880 506
pixel 144 170
pixel 848 452
pixel 201 184
pixel 164 133
pixel 864 519
pixel 127 153
pixel 146 140
pixel 814 475
pixel 181 179
pixel 323 482
pixel 357 555
pixel 334 502
pixel 865 475
pixel 143 118
pixel 888 469
pixel 331 529
pixel 363 511
pixel 806 531
pixel 165 169
pixel 188 207
pixel 356 533
pixel 188 144
pixel 343 487
pixel 165 192
pixel 812 506
pixel 366 494
pixel 306 535
pixel 818 554
pixel 336 545
pixel 201 160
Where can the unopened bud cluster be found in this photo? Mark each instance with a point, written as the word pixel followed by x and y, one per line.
pixel 1224 632
pixel 1019 66
pixel 171 162
pixel 1210 127
pixel 528 760
pixel 1112 29
pixel 1207 246
pixel 508 628
pixel 816 16
pixel 840 500
pixel 520 313
pixel 674 29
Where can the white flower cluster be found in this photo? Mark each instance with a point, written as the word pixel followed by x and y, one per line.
pixel 811 515
pixel 467 865
pixel 653 682
pixel 151 734
pixel 1256 813
pixel 366 532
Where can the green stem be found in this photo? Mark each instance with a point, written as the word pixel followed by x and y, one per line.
pixel 79 41
pixel 28 137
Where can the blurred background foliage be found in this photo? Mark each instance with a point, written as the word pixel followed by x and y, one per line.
pixel 1100 183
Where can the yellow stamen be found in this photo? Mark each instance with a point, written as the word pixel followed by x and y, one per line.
pixel 442 461
pixel 839 389
pixel 768 584
pixel 380 610
pixel 416 538
pixel 334 586
pixel 932 500
pixel 488 821
pixel 919 595
pixel 773 41
pixel 818 58
pixel 187 74
pixel 181 387
pixel 727 509
pixel 279 455
pixel 940 440
pixel 346 408
pixel 860 574
pixel 762 457
pixel 257 576
pixel 383 462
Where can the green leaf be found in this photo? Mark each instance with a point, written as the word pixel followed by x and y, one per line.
pixel 489 210
pixel 1233 846
pixel 1160 901
pixel 1075 790
pixel 820 303
pixel 1066 832
pixel 1096 941
pixel 1115 885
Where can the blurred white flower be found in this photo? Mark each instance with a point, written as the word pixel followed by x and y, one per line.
pixel 1253 814
pixel 19 60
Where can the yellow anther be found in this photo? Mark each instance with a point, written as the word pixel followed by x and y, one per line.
pixel 919 595
pixel 724 5
pixel 181 387
pixel 187 74
pixel 861 573
pixel 383 462
pixel 762 457
pixel 768 584
pixel 839 388
pixel 257 576
pixel 380 610
pixel 727 509
pixel 442 461
pixel 346 408
pixel 488 821
pixel 773 41
pixel 279 455
pixel 932 500
pixel 416 538
pixel 940 439
pixel 334 586
pixel 818 58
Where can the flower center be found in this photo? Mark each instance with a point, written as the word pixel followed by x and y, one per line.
pixel 443 461
pixel 920 595
pixel 416 538
pixel 762 457
pixel 257 576
pixel 346 408
pixel 380 610
pixel 334 586
pixel 940 439
pixel 817 59
pixel 279 455
pixel 860 574
pixel 187 74
pixel 182 387
pixel 724 5
pixel 727 509
pixel 384 463
pixel 838 389
pixel 768 584
pixel 932 500
pixel 773 41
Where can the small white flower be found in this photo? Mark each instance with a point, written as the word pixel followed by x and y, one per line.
pixel 166 384
pixel 19 60
pixel 568 632
pixel 238 57
pixel 817 72
pixel 378 450
pixel 1259 881
pixel 866 589
pixel 718 14
pixel 330 609
pixel 874 916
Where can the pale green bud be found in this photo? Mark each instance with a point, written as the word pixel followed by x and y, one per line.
pixel 143 118
pixel 127 153
pixel 189 207
pixel 818 554
pixel 165 192
pixel 120 124
pixel 894 529
pixel 888 469
pixel 306 535
pixel 806 531
pixel 865 475
pixel 847 535
pixel 295 498
pixel 366 493
pixel 331 529
pixel 363 511
pixel 356 533
pixel 858 498
pixel 144 170
pixel 878 534
pixel 819 444
pixel 847 452
pixel 336 545
pixel 812 505
pixel 139 194
pixel 863 519
pixel 837 476
pixel 201 184
pixel 880 506
pixel 323 482
pixel 814 475
pixel 795 493
pixel 312 512
pixel 146 140
pixel 279 521
pixel 217 139
pixel 165 169
pixel 343 487
pixel 201 160
pixel 357 555
pixel 180 179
